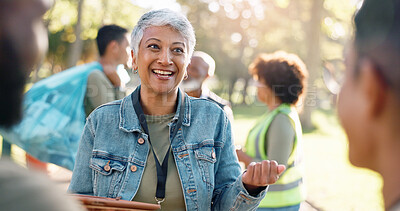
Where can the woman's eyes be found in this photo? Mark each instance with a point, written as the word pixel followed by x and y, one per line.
pixel 153 46
pixel 156 47
pixel 178 50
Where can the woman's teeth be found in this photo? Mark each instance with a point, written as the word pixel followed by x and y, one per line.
pixel 161 72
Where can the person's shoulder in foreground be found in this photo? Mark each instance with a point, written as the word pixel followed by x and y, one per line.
pixel 23 190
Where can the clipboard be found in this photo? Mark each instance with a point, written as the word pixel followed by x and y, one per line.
pixel 96 203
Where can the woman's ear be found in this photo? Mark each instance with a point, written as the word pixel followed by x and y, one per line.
pixel 134 64
pixel 374 89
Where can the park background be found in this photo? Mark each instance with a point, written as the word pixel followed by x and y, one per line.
pixel 234 32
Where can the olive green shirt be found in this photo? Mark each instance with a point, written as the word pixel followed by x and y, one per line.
pixel 159 133
pixel 100 90
pixel 280 139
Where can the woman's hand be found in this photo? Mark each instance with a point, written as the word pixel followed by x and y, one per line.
pixel 243 157
pixel 261 174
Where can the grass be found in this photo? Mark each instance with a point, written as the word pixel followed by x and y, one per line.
pixel 332 182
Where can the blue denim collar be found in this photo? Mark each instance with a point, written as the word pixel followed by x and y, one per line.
pixel 129 122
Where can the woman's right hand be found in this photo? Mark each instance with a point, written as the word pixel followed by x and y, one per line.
pixel 260 174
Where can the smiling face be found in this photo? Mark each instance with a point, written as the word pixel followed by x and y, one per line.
pixel 162 60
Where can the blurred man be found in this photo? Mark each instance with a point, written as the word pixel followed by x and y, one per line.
pixel 23 41
pixel 369 102
pixel 105 86
pixel 201 67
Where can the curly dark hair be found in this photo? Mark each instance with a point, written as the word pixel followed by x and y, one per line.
pixel 284 73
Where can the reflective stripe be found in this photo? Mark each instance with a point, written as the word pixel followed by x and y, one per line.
pixel 258 155
pixel 283 187
pixel 280 194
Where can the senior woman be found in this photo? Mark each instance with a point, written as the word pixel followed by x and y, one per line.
pixel 281 81
pixel 158 144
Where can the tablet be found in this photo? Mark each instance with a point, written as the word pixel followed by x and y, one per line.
pixel 96 203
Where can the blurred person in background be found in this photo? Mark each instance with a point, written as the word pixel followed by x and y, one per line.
pixel 201 67
pixel 281 81
pixel 369 101
pixel 104 85
pixel 23 42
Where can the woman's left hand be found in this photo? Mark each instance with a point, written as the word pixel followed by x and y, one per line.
pixel 261 174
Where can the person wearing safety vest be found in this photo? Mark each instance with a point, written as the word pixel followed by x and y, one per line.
pixel 281 80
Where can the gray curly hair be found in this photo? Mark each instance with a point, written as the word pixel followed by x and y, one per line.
pixel 164 17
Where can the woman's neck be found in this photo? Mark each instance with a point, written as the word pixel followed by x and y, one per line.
pixel 158 104
pixel 389 171
pixel 274 103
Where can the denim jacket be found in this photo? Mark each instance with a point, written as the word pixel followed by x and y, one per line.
pixel 113 152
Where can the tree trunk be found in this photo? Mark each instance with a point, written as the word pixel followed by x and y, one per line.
pixel 35 78
pixel 313 62
pixel 76 47
pixel 231 84
pixel 244 91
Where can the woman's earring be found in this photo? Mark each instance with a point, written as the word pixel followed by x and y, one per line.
pixel 135 70
pixel 185 77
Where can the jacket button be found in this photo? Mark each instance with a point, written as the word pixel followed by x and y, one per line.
pixel 133 168
pixel 107 167
pixel 140 140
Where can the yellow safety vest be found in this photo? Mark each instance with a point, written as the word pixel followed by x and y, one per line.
pixel 289 189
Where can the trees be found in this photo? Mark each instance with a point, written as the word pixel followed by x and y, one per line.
pixel 234 32
pixel 73 25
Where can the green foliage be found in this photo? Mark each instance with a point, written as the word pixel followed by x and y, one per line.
pixel 234 32
pixel 62 18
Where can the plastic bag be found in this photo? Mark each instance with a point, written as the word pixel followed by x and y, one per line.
pixel 54 117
